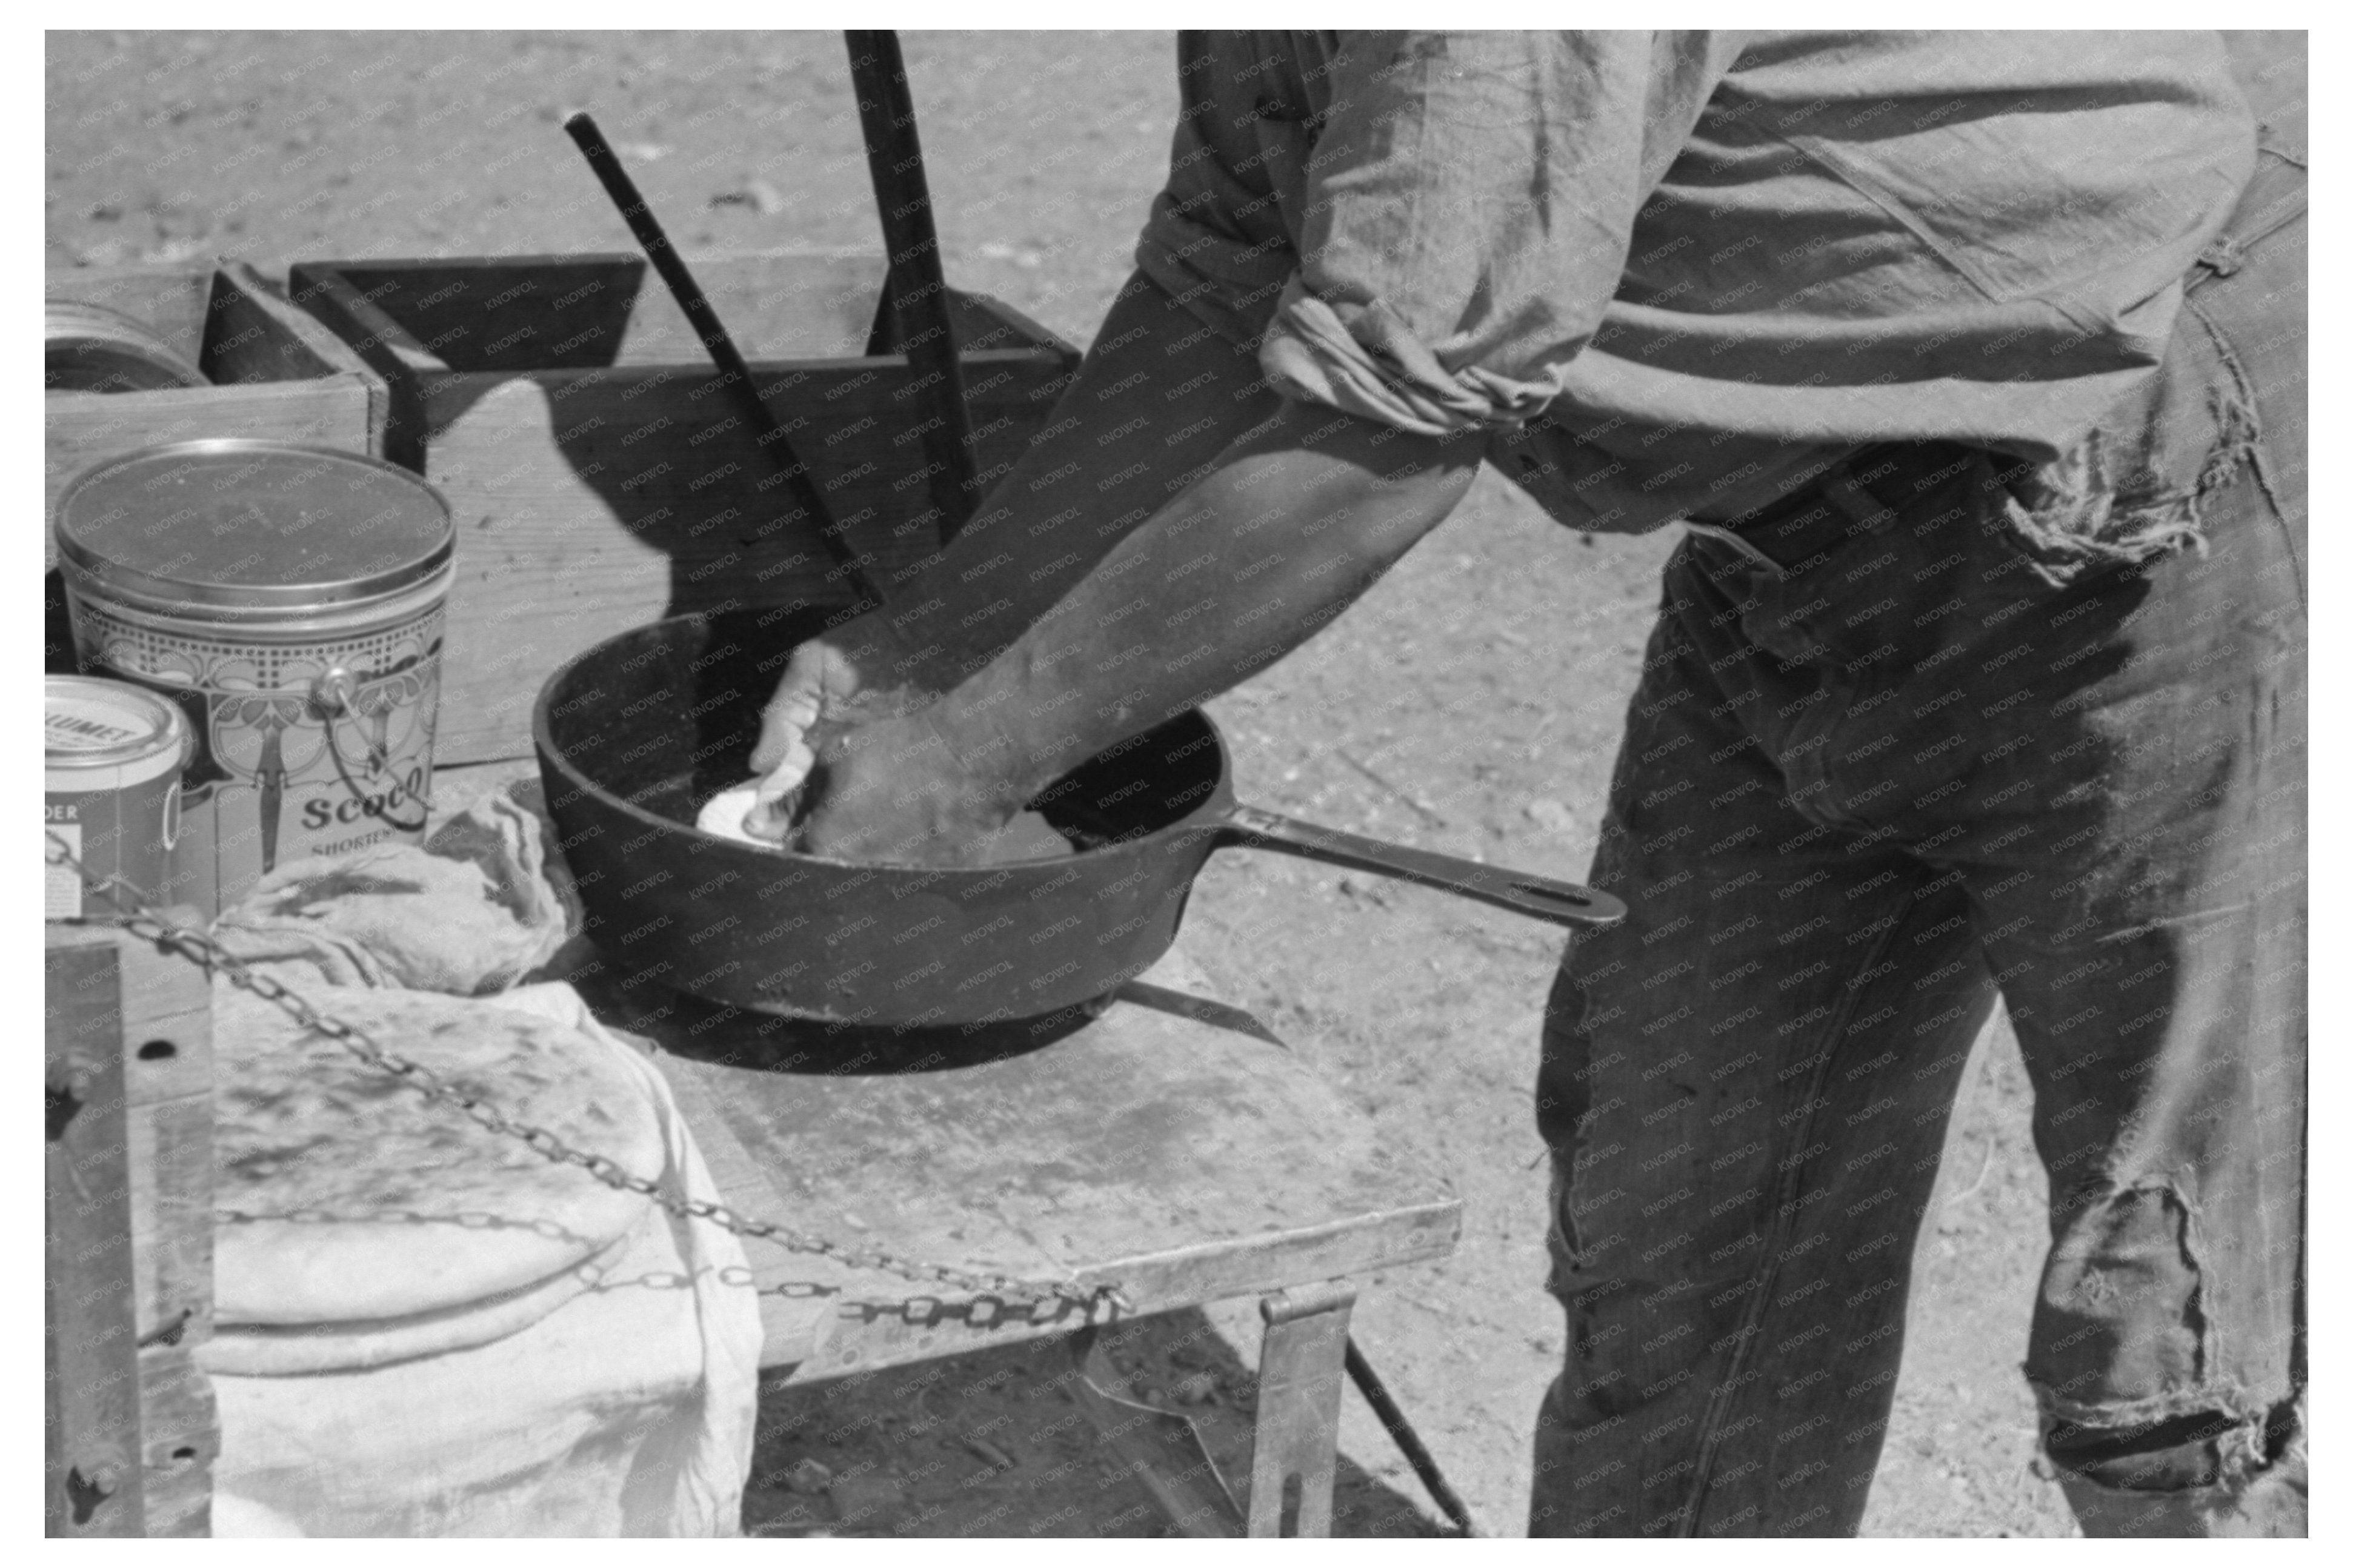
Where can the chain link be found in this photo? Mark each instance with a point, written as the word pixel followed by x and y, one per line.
pixel 997 1293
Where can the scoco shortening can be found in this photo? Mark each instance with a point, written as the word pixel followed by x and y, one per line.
pixel 111 792
pixel 289 601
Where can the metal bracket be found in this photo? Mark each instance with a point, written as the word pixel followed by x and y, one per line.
pixel 1299 1371
pixel 1161 1448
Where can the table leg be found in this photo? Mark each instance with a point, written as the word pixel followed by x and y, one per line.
pixel 1297 1444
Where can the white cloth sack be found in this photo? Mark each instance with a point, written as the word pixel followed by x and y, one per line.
pixel 627 1409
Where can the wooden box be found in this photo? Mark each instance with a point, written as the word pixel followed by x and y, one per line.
pixel 599 477
pixel 277 374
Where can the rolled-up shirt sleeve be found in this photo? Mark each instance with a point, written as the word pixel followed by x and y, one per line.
pixel 1439 237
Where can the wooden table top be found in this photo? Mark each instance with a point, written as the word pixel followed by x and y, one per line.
pixel 1168 1146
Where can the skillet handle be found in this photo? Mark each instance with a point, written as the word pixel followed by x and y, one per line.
pixel 1540 898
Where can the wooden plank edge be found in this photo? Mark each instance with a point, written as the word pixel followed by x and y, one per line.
pixel 383 344
pixel 1154 1284
pixel 1038 333
pixel 334 356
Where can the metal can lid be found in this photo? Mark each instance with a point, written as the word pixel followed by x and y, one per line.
pixel 252 525
pixel 92 723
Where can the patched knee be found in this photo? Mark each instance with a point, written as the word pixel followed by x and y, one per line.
pixel 2122 1316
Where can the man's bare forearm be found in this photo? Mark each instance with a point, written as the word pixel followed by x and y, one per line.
pixel 1158 399
pixel 1293 523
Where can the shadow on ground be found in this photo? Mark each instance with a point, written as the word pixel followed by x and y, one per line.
pixel 992 1444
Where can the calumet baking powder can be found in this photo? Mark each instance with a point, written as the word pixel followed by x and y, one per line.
pixel 290 600
pixel 110 796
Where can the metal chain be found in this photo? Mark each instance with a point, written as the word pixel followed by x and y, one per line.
pixel 999 1291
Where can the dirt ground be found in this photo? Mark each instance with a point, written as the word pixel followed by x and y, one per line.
pixel 1471 703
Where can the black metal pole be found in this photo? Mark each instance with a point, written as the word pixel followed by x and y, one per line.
pixel 1409 1441
pixel 914 289
pixel 734 373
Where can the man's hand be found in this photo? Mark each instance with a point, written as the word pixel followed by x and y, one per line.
pixel 891 791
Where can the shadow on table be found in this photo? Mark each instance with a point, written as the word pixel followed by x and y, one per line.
pixel 990 1445
pixel 732 1037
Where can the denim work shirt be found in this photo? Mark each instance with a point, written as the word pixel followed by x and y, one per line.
pixel 1677 274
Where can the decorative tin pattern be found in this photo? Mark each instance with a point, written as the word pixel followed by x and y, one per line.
pixel 246 663
pixel 315 747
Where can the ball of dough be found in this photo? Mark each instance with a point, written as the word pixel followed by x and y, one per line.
pixel 723 814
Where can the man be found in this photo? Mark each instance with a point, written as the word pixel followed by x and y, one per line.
pixel 1973 362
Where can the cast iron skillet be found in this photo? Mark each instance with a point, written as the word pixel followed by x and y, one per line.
pixel 633 734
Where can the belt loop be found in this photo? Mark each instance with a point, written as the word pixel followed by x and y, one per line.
pixel 2223 258
pixel 2274 198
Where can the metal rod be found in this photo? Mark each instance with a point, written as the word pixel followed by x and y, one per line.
pixel 1376 1394
pixel 914 290
pixel 734 375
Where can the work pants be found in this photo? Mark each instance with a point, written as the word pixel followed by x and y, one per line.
pixel 1940 729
